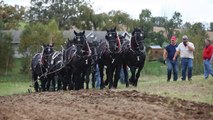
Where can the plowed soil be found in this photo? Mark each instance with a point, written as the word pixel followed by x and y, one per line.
pixel 100 105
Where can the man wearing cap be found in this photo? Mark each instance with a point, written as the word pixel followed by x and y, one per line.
pixel 186 50
pixel 168 55
pixel 207 58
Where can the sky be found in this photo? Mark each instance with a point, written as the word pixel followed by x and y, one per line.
pixel 191 10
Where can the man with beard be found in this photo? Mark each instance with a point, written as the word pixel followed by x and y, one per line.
pixel 186 50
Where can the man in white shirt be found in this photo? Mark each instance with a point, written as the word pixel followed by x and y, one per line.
pixel 186 50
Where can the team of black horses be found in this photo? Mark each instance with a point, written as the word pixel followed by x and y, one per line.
pixel 71 67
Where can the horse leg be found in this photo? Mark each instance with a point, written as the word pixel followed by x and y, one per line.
pixel 83 79
pixel 101 70
pixel 53 82
pixel 132 78
pixel 125 70
pixel 110 76
pixel 35 82
pixel 76 81
pixel 59 80
pixel 117 75
pixel 137 76
pixel 48 79
pixel 43 83
pixel 71 82
pixel 87 79
pixel 106 82
pixel 138 73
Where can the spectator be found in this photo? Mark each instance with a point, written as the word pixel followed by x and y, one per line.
pixel 186 50
pixel 97 76
pixel 207 61
pixel 172 65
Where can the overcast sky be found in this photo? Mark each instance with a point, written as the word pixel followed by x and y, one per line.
pixel 191 10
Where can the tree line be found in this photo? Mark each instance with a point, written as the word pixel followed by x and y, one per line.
pixel 44 19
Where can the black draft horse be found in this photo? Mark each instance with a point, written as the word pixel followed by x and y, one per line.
pixel 134 56
pixel 78 62
pixel 39 67
pixel 93 44
pixel 109 52
pixel 66 73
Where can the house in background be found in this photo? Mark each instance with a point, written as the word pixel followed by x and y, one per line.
pixel 155 52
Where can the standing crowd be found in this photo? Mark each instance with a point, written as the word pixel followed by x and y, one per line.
pixel 185 50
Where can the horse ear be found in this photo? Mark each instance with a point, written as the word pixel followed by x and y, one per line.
pixel 75 32
pixel 83 32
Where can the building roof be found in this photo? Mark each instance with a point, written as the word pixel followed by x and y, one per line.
pixel 155 47
pixel 67 34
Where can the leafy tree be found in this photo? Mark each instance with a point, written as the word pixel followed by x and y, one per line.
pixel 121 19
pixel 145 21
pixel 98 21
pixel 33 36
pixel 55 36
pixel 10 15
pixel 173 24
pixel 9 19
pixel 65 12
pixel 85 16
pixel 187 25
pixel 211 26
pixel 159 21
pixel 6 54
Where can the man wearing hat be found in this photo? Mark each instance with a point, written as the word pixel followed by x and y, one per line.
pixel 186 50
pixel 168 55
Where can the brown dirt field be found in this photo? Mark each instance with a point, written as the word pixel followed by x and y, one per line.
pixel 100 104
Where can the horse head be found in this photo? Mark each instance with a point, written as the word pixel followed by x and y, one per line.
pixel 113 40
pixel 46 54
pixel 79 41
pixel 70 51
pixel 137 40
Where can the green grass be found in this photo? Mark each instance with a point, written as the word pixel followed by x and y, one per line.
pixel 14 82
pixel 14 87
pixel 198 90
pixel 152 81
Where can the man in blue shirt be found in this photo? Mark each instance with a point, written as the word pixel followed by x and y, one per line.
pixel 172 65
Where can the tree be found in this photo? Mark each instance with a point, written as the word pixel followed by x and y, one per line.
pixel 85 16
pixel 32 38
pixel 121 19
pixel 98 21
pixel 159 21
pixel 9 19
pixel 65 12
pixel 10 15
pixel 145 21
pixel 211 26
pixel 55 36
pixel 173 24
